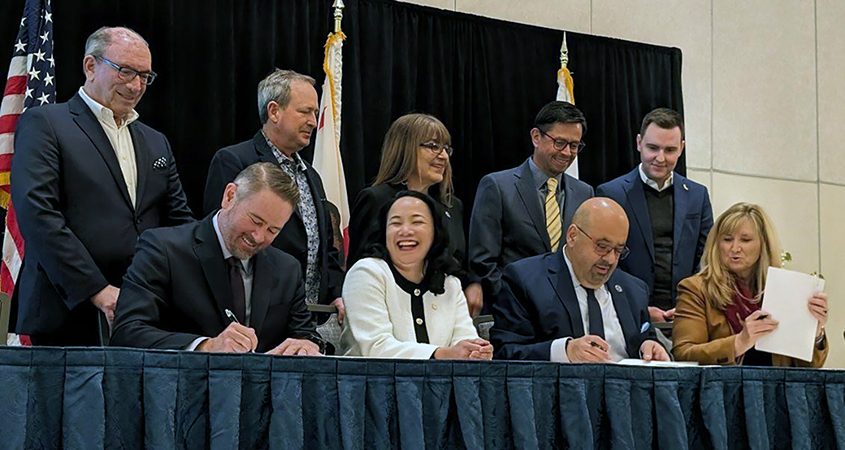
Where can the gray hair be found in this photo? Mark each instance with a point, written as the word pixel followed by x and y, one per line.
pixel 100 40
pixel 276 88
pixel 269 176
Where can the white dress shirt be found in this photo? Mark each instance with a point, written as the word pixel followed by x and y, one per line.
pixel 612 329
pixel 651 183
pixel 120 139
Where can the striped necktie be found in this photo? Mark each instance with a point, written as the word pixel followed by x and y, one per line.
pixel 553 214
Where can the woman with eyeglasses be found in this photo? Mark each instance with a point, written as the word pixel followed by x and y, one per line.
pixel 415 156
pixel 720 315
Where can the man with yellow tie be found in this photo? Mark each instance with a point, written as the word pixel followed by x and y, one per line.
pixel 522 211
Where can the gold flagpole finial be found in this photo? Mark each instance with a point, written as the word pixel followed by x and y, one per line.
pixel 338 14
pixel 564 52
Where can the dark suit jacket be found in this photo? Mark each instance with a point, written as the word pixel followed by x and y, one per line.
pixel 75 213
pixel 177 289
pixel 537 304
pixel 693 218
pixel 364 226
pixel 508 222
pixel 228 163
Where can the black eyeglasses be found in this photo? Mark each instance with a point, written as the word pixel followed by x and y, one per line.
pixel 436 148
pixel 575 147
pixel 126 74
pixel 603 248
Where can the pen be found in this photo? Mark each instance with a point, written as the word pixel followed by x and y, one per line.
pixel 234 319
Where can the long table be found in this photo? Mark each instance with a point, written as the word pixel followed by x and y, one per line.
pixel 125 398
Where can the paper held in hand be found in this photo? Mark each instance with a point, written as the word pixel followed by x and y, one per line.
pixel 786 295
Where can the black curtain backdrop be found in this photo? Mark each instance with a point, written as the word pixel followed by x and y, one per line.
pixel 486 79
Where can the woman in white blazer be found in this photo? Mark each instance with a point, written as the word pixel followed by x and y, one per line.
pixel 401 301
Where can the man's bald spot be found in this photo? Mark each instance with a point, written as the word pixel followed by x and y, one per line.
pixel 600 209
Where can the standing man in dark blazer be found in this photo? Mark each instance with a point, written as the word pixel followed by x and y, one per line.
pixel 287 107
pixel 670 215
pixel 570 305
pixel 87 179
pixel 516 214
pixel 217 285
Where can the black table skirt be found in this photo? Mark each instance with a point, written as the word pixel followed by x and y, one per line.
pixel 122 398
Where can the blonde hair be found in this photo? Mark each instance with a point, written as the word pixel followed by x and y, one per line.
pixel 719 282
pixel 399 151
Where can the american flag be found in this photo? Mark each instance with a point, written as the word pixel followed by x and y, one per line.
pixel 30 83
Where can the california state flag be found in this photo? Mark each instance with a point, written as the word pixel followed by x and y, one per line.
pixel 327 160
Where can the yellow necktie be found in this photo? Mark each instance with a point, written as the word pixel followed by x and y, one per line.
pixel 553 214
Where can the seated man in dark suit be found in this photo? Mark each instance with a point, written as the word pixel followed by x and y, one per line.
pixel 523 211
pixel 570 305
pixel 670 215
pixel 217 285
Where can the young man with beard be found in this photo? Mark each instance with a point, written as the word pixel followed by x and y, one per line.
pixel 217 285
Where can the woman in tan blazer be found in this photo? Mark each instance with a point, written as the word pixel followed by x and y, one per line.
pixel 718 318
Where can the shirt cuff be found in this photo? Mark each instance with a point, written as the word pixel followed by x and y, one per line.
pixel 196 343
pixel 558 350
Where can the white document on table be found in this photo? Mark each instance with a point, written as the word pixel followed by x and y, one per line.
pixel 786 295
pixel 643 363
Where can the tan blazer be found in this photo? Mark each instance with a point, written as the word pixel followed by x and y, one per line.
pixel 701 332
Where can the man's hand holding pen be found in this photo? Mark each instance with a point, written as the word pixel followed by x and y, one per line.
pixel 236 338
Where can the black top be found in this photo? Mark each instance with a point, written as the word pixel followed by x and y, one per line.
pixel 661 212
pixel 364 226
pixel 416 292
pixel 757 358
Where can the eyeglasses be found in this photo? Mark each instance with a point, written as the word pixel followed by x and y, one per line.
pixel 436 148
pixel 126 74
pixel 575 147
pixel 603 248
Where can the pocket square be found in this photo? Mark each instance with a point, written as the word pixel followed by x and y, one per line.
pixel 160 163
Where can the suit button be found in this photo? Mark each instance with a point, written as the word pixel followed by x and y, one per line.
pixel 419 321
pixel 138 221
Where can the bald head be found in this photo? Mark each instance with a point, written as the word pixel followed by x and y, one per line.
pixel 598 226
pixel 600 209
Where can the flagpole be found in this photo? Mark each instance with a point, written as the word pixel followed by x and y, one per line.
pixel 338 14
pixel 564 53
pixel 566 91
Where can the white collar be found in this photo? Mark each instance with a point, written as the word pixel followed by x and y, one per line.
pixel 648 181
pixel 104 114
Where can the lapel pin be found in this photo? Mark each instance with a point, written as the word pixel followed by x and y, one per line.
pixel 448 215
pixel 685 187
pixel 618 288
pixel 645 326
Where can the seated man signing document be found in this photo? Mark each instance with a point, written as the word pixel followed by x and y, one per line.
pixel 570 305
pixel 217 285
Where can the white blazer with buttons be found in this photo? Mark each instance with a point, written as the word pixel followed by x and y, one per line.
pixel 379 323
